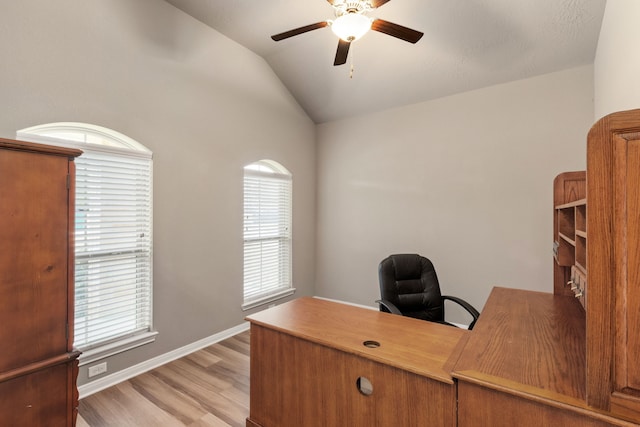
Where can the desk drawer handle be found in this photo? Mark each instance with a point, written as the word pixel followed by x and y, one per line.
pixel 364 386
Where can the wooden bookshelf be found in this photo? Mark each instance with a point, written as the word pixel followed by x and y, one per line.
pixel 570 235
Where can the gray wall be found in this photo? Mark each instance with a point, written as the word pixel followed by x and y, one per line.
pixel 617 64
pixel 464 180
pixel 204 105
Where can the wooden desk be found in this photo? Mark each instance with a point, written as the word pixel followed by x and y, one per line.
pixel 524 364
pixel 307 356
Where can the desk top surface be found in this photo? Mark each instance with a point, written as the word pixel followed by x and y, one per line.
pixel 529 342
pixel 424 348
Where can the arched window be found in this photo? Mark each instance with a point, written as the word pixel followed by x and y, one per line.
pixel 113 246
pixel 267 233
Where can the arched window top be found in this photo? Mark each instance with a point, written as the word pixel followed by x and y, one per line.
pixel 83 134
pixel 266 166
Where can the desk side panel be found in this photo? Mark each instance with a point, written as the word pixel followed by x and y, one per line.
pixel 297 382
pixel 482 407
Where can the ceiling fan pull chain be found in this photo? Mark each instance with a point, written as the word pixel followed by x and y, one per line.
pixel 351 65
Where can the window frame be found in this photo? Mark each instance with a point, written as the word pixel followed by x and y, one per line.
pixel 121 146
pixel 272 172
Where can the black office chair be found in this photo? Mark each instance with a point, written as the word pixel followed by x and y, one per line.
pixel 409 287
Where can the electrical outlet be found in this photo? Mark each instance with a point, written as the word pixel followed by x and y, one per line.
pixel 98 369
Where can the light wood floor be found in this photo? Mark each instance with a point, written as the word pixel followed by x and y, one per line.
pixel 207 388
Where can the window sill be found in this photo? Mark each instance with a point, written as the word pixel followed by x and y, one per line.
pixel 110 349
pixel 267 299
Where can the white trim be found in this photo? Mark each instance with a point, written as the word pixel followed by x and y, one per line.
pixel 95 386
pixel 85 129
pixel 368 307
pixel 268 298
pixel 273 166
pixel 119 346
pixel 267 175
pixel 104 149
pixel 460 325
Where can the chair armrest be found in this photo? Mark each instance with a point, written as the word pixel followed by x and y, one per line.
pixel 468 307
pixel 389 307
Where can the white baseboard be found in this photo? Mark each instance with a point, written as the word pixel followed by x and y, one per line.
pixel 348 303
pixel 95 386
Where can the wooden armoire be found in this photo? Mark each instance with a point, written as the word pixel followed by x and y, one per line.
pixel 38 365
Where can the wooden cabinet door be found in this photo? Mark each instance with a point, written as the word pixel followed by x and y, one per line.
pixel 39 399
pixel 33 257
pixel 613 264
pixel 625 400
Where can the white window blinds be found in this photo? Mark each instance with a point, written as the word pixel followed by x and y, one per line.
pixel 267 235
pixel 112 246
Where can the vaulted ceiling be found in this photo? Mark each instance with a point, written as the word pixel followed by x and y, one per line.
pixel 467 44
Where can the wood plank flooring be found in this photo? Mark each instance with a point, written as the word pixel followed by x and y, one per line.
pixel 207 388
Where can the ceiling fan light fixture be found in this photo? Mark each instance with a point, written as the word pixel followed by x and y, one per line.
pixel 351 26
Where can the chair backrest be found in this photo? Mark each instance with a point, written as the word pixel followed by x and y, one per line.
pixel 409 281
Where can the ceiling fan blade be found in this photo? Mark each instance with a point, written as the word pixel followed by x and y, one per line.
pixel 395 30
pixel 342 52
pixel 300 30
pixel 378 3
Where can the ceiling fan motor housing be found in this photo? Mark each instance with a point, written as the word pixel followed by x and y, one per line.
pixel 351 23
pixel 346 6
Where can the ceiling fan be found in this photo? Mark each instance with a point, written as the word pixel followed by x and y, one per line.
pixel 351 23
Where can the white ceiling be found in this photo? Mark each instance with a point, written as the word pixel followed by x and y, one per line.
pixel 467 44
